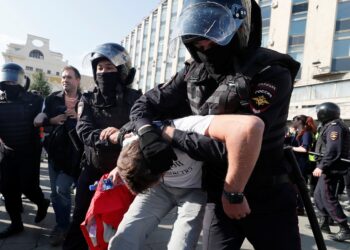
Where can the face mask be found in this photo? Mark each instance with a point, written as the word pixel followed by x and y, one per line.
pixel 12 91
pixel 218 59
pixel 110 85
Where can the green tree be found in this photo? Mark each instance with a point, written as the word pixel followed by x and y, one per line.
pixel 40 84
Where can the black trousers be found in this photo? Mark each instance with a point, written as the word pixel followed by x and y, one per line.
pixel 326 199
pixel 347 183
pixel 272 224
pixel 75 239
pixel 20 175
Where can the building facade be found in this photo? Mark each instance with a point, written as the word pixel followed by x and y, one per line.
pixel 35 56
pixel 316 33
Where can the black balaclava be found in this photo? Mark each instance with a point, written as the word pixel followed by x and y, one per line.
pixel 110 86
pixel 217 60
pixel 12 91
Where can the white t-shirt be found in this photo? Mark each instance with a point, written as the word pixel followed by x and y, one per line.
pixel 185 172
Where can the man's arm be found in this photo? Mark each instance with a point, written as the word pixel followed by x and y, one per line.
pixel 199 147
pixel 86 127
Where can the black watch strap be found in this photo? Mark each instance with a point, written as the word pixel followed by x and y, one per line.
pixel 234 197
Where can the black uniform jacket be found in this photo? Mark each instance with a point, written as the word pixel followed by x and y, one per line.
pixel 269 100
pixel 93 117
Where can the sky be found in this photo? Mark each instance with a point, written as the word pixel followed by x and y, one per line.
pixel 74 27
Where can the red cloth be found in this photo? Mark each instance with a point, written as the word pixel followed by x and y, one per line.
pixel 106 207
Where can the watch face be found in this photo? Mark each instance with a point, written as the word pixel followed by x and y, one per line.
pixel 234 198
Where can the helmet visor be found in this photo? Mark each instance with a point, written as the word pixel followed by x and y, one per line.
pixel 208 20
pixel 116 54
pixel 12 77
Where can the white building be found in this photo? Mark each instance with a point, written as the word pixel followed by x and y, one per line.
pixel 316 33
pixel 35 56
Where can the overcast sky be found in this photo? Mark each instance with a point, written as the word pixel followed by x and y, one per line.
pixel 74 27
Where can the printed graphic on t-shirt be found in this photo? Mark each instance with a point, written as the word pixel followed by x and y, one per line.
pixel 185 172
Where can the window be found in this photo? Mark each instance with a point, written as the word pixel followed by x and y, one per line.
pixel 341 43
pixel 57 73
pixel 323 91
pixel 36 54
pixel 298 54
pixel 297 8
pixel 297 28
pixel 49 72
pixel 301 94
pixel 266 16
pixel 38 70
pixel 29 68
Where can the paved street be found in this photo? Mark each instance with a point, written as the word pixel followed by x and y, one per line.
pixel 37 236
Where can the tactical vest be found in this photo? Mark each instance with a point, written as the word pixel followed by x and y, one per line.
pixel 232 95
pixel 105 158
pixel 339 166
pixel 16 122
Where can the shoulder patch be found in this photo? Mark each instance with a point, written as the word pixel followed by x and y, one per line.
pixel 334 135
pixel 262 95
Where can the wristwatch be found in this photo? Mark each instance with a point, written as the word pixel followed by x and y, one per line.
pixel 233 198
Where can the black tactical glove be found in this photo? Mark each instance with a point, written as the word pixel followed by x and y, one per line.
pixel 158 153
pixel 127 128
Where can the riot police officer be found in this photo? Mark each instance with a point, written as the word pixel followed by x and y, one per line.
pixel 333 144
pixel 230 73
pixel 20 166
pixel 100 115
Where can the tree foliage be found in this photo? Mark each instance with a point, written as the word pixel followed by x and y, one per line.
pixel 40 84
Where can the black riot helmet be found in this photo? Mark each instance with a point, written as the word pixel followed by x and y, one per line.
pixel 219 21
pixel 327 111
pixel 13 74
pixel 117 55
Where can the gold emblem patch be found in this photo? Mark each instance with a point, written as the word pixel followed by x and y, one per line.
pixel 334 135
pixel 260 100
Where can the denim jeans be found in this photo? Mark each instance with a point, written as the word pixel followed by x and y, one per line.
pixel 149 208
pixel 61 196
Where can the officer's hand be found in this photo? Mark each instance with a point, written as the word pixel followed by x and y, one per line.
pixel 235 211
pixel 107 132
pixel 71 113
pixel 58 120
pixel 158 153
pixel 317 172
pixel 113 138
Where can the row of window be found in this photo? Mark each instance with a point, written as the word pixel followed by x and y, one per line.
pixel 341 46
pixel 321 91
pixel 29 68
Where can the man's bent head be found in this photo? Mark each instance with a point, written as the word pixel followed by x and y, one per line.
pixel 133 169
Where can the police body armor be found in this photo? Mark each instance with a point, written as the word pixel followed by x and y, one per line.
pixel 16 123
pixel 102 157
pixel 339 167
pixel 232 95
